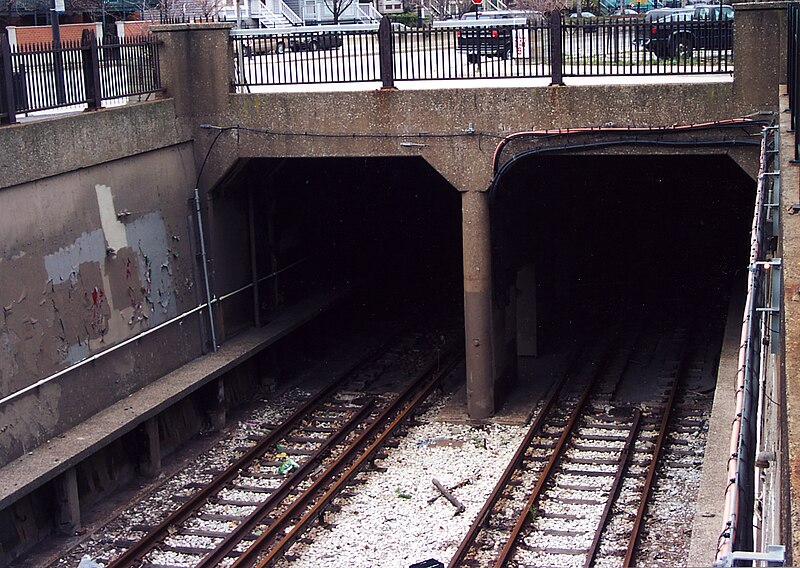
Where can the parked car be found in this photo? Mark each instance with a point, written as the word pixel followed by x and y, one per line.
pixel 493 32
pixel 586 21
pixel 309 41
pixel 533 16
pixel 292 41
pixel 683 30
pixel 257 45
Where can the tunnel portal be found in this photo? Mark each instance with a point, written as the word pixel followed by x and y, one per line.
pixel 609 234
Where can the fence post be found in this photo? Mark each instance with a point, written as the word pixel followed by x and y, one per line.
pixel 9 106
pixel 556 50
pixel 91 70
pixel 385 53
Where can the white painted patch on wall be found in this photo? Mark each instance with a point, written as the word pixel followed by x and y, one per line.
pixel 114 230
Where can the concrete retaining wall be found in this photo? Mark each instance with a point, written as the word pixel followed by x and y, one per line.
pixel 90 257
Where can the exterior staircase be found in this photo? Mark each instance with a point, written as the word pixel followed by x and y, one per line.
pixel 276 14
pixel 368 14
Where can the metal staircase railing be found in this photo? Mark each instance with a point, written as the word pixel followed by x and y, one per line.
pixel 275 13
pixel 494 5
pixel 368 14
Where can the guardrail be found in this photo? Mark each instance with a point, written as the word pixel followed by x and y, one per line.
pixel 81 74
pixel 760 340
pixel 542 46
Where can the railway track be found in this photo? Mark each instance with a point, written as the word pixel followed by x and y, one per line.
pixel 577 492
pixel 256 508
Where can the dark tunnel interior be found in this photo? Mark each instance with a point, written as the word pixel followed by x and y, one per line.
pixel 613 233
pixel 605 233
pixel 390 227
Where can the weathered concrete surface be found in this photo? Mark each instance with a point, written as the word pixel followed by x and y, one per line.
pixel 790 188
pixel 708 521
pixel 90 258
pixel 760 46
pixel 478 305
pixel 38 149
pixel 385 119
pixel 49 460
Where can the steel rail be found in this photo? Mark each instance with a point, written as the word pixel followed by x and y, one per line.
pixel 233 538
pixel 534 430
pixel 339 474
pixel 622 468
pixel 544 476
pixel 197 500
pixel 633 542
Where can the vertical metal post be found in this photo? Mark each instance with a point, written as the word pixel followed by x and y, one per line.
pixel 58 58
pixel 385 54
pixel 556 49
pixel 251 216
pixel 7 78
pixel 91 70
pixel 205 269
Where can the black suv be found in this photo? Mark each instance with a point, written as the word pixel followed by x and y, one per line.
pixel 679 32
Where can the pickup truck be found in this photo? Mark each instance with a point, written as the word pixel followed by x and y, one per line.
pixel 492 33
pixel 679 32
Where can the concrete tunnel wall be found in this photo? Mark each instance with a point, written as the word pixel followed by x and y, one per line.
pixel 458 139
pixel 90 258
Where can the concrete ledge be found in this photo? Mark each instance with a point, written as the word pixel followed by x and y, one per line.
pixel 708 522
pixel 43 464
pixel 34 150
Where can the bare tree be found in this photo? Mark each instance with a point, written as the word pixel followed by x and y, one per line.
pixel 445 8
pixel 337 8
pixel 209 8
pixel 541 6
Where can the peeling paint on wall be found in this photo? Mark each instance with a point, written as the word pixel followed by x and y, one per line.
pixel 63 265
pixel 139 251
pixel 88 259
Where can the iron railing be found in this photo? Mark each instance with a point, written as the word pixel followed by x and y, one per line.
pixel 760 336
pixel 75 74
pixel 488 49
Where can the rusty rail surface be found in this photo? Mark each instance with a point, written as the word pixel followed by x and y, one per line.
pixel 308 506
pixel 619 477
pixel 136 552
pixel 534 430
pixel 633 542
pixel 545 475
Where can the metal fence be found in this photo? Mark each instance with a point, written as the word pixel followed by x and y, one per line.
pixel 82 74
pixel 551 47
pixel 760 342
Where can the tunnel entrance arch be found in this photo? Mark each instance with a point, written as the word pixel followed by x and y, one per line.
pixel 580 230
pixel 390 227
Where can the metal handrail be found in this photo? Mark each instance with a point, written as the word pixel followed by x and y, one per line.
pixel 763 302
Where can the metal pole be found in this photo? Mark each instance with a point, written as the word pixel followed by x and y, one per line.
pixel 205 268
pixel 7 79
pixel 251 217
pixel 58 58
pixel 385 53
pixel 556 49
